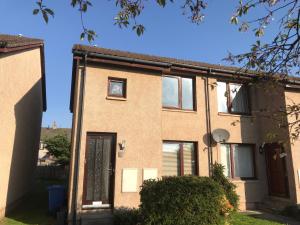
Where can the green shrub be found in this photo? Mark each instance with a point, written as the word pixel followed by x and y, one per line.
pixel 229 188
pixel 183 200
pixel 127 216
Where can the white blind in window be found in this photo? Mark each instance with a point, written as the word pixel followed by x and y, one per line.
pixel 171 159
pixel 189 159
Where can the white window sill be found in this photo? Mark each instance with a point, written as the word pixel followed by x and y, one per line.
pixel 179 110
pixel 95 207
pixel 236 181
pixel 234 115
pixel 116 98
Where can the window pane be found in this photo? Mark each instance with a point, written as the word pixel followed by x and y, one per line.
pixel 116 88
pixel 170 92
pixel 243 161
pixel 189 159
pixel 239 98
pixel 171 159
pixel 187 93
pixel 222 97
pixel 225 159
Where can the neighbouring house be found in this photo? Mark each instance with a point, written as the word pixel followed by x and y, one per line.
pixel 138 116
pixel 45 158
pixel 23 100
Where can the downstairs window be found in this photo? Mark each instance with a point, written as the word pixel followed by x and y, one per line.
pixel 179 158
pixel 238 160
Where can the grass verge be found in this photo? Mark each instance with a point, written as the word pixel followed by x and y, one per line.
pixel 34 209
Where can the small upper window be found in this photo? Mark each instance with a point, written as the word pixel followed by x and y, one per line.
pixel 233 98
pixel 178 93
pixel 117 87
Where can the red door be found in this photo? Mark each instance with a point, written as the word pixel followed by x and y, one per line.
pixel 276 170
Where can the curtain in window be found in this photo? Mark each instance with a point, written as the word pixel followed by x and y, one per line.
pixel 225 159
pixel 222 97
pixel 171 159
pixel 170 92
pixel 187 93
pixel 239 98
pixel 189 159
pixel 243 161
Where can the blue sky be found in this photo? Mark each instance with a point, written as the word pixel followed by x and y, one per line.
pixel 168 33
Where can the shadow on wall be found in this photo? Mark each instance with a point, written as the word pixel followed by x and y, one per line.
pixel 28 117
pixel 256 129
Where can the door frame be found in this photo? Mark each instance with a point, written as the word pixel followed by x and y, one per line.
pixel 113 162
pixel 286 181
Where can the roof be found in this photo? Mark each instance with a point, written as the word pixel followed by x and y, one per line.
pixel 15 43
pixel 152 58
pixel 144 61
pixel 12 41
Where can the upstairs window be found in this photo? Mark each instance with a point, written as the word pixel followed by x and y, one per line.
pixel 233 98
pixel 178 92
pixel 179 158
pixel 116 87
pixel 238 160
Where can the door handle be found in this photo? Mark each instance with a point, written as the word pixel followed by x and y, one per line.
pixel 111 171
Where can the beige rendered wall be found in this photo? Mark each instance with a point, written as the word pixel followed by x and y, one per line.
pixel 138 122
pixel 141 121
pixel 293 162
pixel 21 114
pixel 242 129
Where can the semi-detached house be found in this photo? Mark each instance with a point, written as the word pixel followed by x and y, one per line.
pixel 137 117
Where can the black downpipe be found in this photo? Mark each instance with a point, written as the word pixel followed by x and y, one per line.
pixel 208 125
pixel 78 140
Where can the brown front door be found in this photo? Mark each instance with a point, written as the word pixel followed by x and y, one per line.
pixel 276 170
pixel 99 170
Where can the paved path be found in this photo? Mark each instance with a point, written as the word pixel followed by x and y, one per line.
pixel 272 217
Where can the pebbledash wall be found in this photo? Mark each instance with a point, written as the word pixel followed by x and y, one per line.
pixel 145 124
pixel 21 100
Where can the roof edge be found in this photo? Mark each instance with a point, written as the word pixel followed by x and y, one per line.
pixel 137 60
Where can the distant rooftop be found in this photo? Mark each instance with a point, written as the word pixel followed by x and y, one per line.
pixel 13 41
pixel 50 132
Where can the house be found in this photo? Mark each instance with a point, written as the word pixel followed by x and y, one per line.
pixel 23 100
pixel 138 116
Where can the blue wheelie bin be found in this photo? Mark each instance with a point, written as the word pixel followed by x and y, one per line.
pixel 56 198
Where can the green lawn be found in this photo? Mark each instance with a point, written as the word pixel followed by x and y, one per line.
pixel 33 211
pixel 241 219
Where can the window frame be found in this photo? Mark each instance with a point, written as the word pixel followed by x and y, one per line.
pixel 232 175
pixel 117 80
pixel 181 161
pixel 229 100
pixel 179 80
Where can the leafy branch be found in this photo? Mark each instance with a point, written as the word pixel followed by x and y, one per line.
pixel 43 10
pixel 83 6
pixel 129 11
pixel 280 57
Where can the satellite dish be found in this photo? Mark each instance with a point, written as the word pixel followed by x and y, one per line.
pixel 220 135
